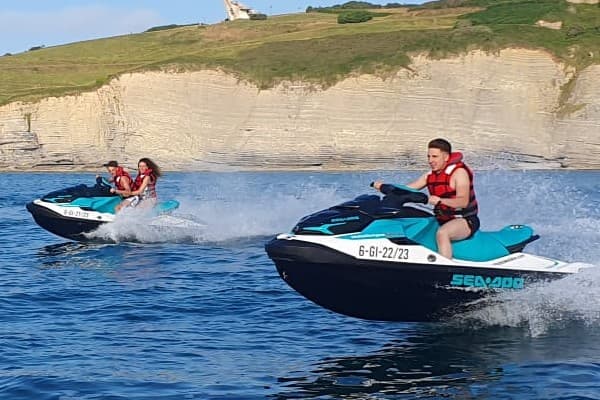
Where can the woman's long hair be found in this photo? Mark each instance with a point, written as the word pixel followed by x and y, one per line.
pixel 152 165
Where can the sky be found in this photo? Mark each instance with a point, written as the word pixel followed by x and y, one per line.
pixel 28 23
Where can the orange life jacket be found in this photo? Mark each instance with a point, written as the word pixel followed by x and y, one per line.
pixel 438 184
pixel 150 190
pixel 120 174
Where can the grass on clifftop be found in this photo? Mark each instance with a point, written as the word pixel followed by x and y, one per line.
pixel 311 47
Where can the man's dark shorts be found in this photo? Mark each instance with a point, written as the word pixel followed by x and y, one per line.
pixel 473 222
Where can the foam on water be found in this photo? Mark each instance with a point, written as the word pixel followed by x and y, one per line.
pixel 208 216
pixel 545 306
pixel 565 214
pixel 142 226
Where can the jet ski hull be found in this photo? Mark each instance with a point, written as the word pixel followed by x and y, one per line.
pixel 390 291
pixel 65 226
pixel 75 211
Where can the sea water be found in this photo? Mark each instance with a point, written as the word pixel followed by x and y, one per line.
pixel 196 310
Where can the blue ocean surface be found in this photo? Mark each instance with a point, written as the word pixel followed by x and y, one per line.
pixel 198 311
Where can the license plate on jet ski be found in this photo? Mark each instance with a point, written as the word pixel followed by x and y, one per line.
pixel 383 252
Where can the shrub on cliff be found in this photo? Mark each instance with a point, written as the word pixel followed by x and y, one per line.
pixel 355 5
pixel 354 17
pixel 435 5
pixel 396 5
pixel 258 17
pixel 350 5
pixel 463 23
pixel 526 13
pixel 167 27
pixel 575 30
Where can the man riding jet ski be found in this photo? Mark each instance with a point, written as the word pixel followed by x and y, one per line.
pixel 387 259
pixel 451 192
pixel 75 211
pixel 377 258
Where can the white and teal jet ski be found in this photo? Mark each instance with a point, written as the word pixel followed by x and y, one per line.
pixel 376 258
pixel 76 211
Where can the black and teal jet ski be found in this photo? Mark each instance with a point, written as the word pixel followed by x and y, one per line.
pixel 76 211
pixel 376 258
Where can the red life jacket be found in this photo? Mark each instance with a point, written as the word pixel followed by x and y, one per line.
pixel 120 174
pixel 438 184
pixel 150 190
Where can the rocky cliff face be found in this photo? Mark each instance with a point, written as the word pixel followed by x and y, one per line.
pixel 502 106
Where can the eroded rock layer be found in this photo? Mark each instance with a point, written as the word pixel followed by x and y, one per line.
pixel 505 106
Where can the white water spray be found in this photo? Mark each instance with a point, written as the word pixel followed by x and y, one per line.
pixel 563 210
pixel 222 210
pixel 545 306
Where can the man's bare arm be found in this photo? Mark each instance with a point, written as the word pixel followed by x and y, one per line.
pixel 419 183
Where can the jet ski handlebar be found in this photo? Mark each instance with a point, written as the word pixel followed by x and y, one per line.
pixel 102 185
pixel 402 194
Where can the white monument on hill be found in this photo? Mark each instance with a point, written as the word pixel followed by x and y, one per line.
pixel 236 10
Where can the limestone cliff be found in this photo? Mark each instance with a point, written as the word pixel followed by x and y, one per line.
pixel 506 105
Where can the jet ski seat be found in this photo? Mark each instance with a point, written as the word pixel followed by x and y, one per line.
pixel 99 204
pixel 483 246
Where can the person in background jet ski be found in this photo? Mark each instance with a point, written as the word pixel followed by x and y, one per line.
pixel 143 192
pixel 119 177
pixel 450 185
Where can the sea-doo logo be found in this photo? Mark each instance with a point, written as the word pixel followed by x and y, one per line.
pixel 496 282
pixel 355 218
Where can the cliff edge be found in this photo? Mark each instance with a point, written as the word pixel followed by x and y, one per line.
pixel 516 105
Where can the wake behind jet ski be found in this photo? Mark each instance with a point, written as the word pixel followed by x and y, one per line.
pixel 76 211
pixel 376 258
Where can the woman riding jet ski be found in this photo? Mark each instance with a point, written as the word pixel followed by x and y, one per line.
pixel 76 211
pixel 377 258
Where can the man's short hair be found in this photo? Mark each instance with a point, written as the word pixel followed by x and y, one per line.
pixel 111 164
pixel 441 144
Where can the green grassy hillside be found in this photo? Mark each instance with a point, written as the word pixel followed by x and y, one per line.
pixel 309 46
